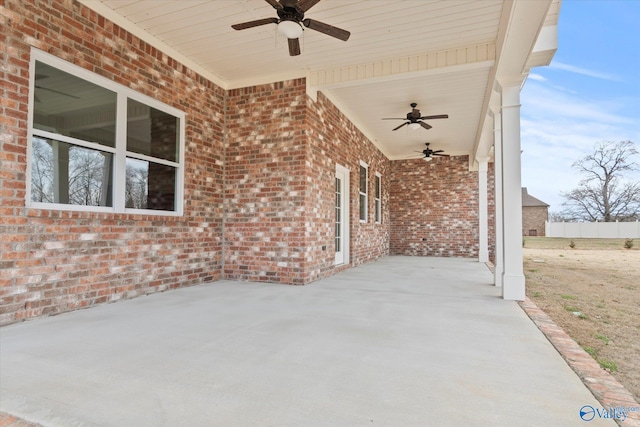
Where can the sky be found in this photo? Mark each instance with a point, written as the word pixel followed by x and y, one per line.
pixel 590 93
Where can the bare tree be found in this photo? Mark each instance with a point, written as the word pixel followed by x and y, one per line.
pixel 605 193
pixel 562 216
pixel 136 188
pixel 84 177
pixel 41 172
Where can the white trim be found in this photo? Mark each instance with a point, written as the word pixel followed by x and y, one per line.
pixel 120 162
pixel 345 220
pixel 73 141
pixel 365 194
pixel 513 280
pixel 377 207
pixel 120 152
pixel 483 212
pixel 499 224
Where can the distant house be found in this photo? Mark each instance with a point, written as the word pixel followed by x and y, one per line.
pixel 534 214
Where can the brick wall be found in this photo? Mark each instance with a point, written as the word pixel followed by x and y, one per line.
pixel 435 207
pixel 259 182
pixel 533 218
pixel 265 183
pixel 55 261
pixel 337 140
pixel 281 152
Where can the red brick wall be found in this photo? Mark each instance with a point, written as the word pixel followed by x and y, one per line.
pixel 259 182
pixel 337 140
pixel 265 183
pixel 281 152
pixel 54 261
pixel 435 208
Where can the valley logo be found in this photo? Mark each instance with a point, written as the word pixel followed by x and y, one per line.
pixel 588 412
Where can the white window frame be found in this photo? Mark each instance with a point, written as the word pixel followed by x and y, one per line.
pixel 377 197
pixel 119 152
pixel 365 193
pixel 345 220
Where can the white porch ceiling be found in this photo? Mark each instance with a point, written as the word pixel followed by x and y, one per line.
pixel 440 54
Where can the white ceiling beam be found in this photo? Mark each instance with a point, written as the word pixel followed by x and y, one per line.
pixel 445 61
pixel 522 31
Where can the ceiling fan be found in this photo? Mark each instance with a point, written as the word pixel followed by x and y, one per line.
pixel 415 120
pixel 291 20
pixel 428 153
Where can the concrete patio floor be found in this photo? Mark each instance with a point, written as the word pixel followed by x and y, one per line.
pixel 404 341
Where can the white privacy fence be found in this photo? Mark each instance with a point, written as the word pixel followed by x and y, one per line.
pixel 610 230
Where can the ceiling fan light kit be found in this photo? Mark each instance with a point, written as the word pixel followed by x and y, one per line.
pixel 428 153
pixel 291 22
pixel 290 29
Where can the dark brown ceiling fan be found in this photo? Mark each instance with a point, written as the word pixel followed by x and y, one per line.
pixel 428 153
pixel 291 20
pixel 415 120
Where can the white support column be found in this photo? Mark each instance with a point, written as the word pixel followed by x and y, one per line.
pixel 483 214
pixel 497 153
pixel 513 283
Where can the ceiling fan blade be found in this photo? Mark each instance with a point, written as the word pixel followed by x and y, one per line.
pixel 294 47
pixel 305 5
pixel 438 151
pixel 439 154
pixel 256 23
pixel 404 124
pixel 395 118
pixel 425 125
pixel 275 3
pixel 327 29
pixel 439 116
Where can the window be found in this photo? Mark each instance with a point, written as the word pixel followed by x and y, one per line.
pixel 99 146
pixel 364 178
pixel 377 198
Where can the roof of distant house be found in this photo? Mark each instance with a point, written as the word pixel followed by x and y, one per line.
pixel 529 200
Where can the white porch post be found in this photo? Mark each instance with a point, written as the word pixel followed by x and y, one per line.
pixel 483 215
pixel 513 283
pixel 497 170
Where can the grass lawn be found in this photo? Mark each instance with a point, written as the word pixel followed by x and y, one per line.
pixel 592 291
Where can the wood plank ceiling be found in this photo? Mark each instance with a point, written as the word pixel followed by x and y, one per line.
pixel 400 51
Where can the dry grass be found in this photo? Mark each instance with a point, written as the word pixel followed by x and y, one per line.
pixel 592 291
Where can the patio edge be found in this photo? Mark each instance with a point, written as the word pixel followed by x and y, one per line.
pixel 604 387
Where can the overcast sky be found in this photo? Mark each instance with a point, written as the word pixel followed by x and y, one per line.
pixel 589 93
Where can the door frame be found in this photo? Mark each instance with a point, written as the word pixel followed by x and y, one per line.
pixel 342 173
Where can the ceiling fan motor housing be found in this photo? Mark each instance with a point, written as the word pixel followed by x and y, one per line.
pixel 290 13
